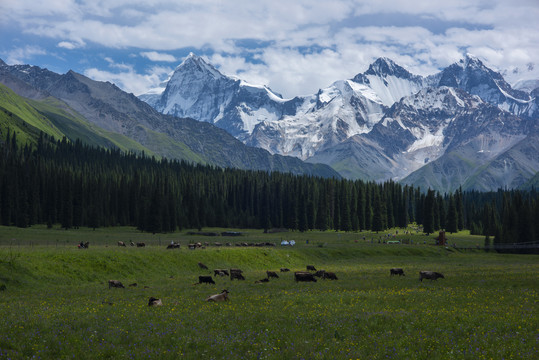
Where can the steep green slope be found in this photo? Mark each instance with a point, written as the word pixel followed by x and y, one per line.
pixel 53 117
pixel 21 117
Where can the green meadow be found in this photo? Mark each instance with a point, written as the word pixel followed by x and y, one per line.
pixel 55 302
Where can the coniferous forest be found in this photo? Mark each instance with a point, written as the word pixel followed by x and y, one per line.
pixel 72 184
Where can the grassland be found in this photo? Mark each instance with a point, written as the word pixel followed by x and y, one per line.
pixel 56 303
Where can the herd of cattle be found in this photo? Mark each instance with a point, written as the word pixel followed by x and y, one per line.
pixel 309 275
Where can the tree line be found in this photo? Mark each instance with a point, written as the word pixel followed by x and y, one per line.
pixel 73 184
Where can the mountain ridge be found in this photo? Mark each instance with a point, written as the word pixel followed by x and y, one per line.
pixel 348 114
pixel 106 106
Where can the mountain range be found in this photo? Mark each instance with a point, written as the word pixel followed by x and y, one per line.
pixel 34 100
pixel 462 127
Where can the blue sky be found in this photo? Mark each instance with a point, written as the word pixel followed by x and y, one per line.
pixel 294 47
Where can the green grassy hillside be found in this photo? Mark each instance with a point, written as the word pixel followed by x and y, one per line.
pixel 55 302
pixel 55 118
pixel 25 120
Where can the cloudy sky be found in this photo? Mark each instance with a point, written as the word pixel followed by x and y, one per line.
pixel 294 47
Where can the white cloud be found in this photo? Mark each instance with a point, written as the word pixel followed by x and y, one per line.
pixel 70 45
pixel 129 80
pixel 156 56
pixel 299 46
pixel 22 55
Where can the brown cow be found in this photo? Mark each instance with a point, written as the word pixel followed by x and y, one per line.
pixel 141 244
pixel 115 284
pixel 431 275
pixel 155 302
pixel 121 243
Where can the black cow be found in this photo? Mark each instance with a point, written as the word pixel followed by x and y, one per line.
pixel 236 274
pixel 311 268
pixel 304 276
pixel 141 244
pixel 173 246
pixel 272 274
pixel 431 275
pixel 205 279
pixel 330 276
pixel 262 281
pixel 285 269
pixel 396 271
pixel 320 273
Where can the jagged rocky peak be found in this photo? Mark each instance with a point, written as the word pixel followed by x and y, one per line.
pixel 385 67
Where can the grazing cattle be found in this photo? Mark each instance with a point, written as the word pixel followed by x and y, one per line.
pixel 262 281
pixel 285 269
pixel 205 279
pixel 121 243
pixel 396 271
pixel 202 266
pixel 173 245
pixel 131 243
pixel 320 273
pixel 311 268
pixel 236 274
pixel 115 284
pixel 304 276
pixel 330 276
pixel 155 302
pixel 133 285
pixel 141 244
pixel 272 274
pixel 221 271
pixel 223 296
pixel 84 245
pixel 431 275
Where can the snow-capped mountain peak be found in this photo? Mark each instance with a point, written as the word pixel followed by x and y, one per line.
pixel 385 116
pixel 196 65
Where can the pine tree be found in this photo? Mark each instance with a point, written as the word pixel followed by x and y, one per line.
pixel 452 216
pixel 428 212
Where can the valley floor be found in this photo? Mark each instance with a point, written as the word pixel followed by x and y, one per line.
pixel 55 302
